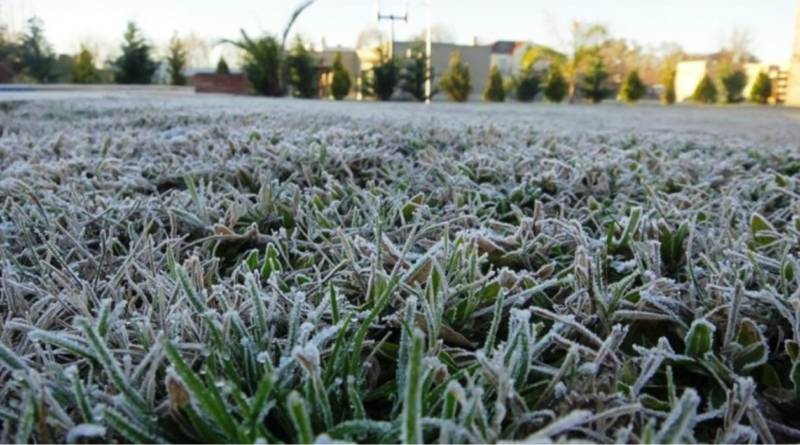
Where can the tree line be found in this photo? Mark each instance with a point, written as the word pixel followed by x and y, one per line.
pixel 586 69
pixel 29 57
pixel 582 70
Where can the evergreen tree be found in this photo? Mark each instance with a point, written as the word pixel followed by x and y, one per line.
pixel 527 85
pixel 222 66
pixel 265 60
pixel 762 89
pixel 555 89
pixel 176 62
pixel 457 81
pixel 669 97
pixel 135 66
pixel 262 64
pixel 85 70
pixel 8 56
pixel 414 75
pixel 63 70
pixel 495 90
pixel 633 88
pixel 341 84
pixel 36 57
pixel 734 82
pixel 383 79
pixel 706 92
pixel 585 42
pixel 303 71
pixel 593 87
pixel 283 69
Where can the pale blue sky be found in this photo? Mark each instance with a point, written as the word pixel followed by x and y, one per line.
pixel 698 25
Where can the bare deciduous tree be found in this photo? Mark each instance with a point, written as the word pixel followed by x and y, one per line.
pixel 198 51
pixel 670 54
pixel 369 37
pixel 738 46
pixel 585 41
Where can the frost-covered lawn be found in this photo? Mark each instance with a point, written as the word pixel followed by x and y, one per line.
pixel 240 270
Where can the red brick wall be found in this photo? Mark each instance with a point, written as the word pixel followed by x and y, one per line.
pixel 220 83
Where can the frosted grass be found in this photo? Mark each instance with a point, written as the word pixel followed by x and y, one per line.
pixel 205 269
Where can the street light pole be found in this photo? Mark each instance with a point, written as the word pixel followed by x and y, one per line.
pixel 428 53
pixel 393 18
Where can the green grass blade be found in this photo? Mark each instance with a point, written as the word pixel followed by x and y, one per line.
pixel 298 412
pixel 411 431
pixel 129 429
pixel 208 398
pixel 111 367
pixel 678 426
pixel 10 360
pixel 26 420
pixel 63 341
pixel 81 397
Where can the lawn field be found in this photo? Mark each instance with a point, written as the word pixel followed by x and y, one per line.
pixel 238 270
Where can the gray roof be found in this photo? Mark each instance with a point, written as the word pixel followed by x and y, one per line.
pixel 504 47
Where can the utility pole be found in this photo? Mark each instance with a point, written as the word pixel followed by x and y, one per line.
pixel 428 53
pixel 393 18
pixel 793 85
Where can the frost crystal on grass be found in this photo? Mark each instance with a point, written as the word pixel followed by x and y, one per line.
pixel 86 432
pixel 331 272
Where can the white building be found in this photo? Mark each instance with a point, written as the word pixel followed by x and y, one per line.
pixel 478 58
pixel 687 77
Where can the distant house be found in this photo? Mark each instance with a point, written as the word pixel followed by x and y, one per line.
pixel 508 56
pixel 503 57
pixel 687 77
pixel 477 57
